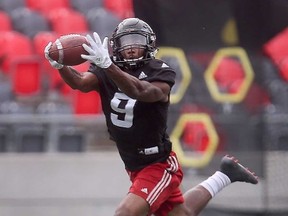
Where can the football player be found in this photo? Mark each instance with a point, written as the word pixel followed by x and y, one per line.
pixel 135 87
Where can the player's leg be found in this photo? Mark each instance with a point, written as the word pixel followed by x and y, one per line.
pixel 154 188
pixel 198 197
pixel 132 205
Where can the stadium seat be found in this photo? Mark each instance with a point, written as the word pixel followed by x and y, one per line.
pixel 46 6
pixel 9 5
pixel 66 136
pixel 40 40
pixel 53 79
pixel 4 138
pixel 85 6
pixel 87 103
pixel 25 136
pixel 102 21
pixel 14 45
pixel 5 22
pixel 29 22
pixel 57 84
pixel 30 138
pixel 71 139
pixel 26 76
pixel 66 21
pixel 54 107
pixel 6 89
pixel 122 8
pixel 15 107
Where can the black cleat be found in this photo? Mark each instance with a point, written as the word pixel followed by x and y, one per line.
pixel 236 172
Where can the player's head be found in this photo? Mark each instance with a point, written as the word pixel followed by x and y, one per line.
pixel 133 42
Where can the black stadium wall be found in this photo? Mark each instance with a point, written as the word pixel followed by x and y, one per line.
pixel 253 128
pixel 197 24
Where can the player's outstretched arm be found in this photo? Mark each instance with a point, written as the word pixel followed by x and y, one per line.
pixel 131 86
pixel 84 82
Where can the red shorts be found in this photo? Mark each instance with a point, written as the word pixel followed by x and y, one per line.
pixel 159 185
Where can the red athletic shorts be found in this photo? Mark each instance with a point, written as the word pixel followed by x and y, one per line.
pixel 159 184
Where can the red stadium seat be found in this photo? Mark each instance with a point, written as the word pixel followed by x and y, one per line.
pixel 26 76
pixel 87 103
pixel 122 8
pixel 5 22
pixel 54 80
pixel 40 41
pixel 56 83
pixel 46 6
pixel 67 21
pixel 13 45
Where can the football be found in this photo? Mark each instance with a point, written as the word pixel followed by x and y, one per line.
pixel 67 49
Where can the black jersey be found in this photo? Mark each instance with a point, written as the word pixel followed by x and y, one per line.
pixel 138 128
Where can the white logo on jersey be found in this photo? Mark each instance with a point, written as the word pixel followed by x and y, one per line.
pixel 142 75
pixel 144 190
pixel 164 65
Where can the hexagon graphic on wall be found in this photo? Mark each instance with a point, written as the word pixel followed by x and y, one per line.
pixel 176 59
pixel 229 75
pixel 196 159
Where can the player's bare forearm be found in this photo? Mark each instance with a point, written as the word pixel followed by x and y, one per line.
pixel 84 82
pixel 133 87
pixel 71 77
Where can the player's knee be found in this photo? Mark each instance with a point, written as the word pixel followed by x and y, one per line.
pixel 123 210
pixel 182 210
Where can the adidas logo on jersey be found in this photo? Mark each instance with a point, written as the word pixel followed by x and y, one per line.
pixel 142 75
pixel 164 65
pixel 144 190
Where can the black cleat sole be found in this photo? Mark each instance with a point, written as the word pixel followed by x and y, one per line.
pixel 236 172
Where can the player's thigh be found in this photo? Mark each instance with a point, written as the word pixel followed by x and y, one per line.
pixel 180 210
pixel 132 205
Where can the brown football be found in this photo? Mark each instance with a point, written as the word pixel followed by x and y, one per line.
pixel 67 49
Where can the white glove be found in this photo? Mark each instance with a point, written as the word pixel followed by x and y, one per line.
pixel 53 63
pixel 98 52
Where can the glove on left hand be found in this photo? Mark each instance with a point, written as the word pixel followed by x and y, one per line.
pixel 53 63
pixel 98 52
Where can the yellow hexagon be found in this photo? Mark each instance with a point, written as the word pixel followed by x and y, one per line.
pixel 196 160
pixel 184 69
pixel 248 78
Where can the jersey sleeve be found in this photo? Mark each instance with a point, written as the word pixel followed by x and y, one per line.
pixel 162 72
pixel 99 73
